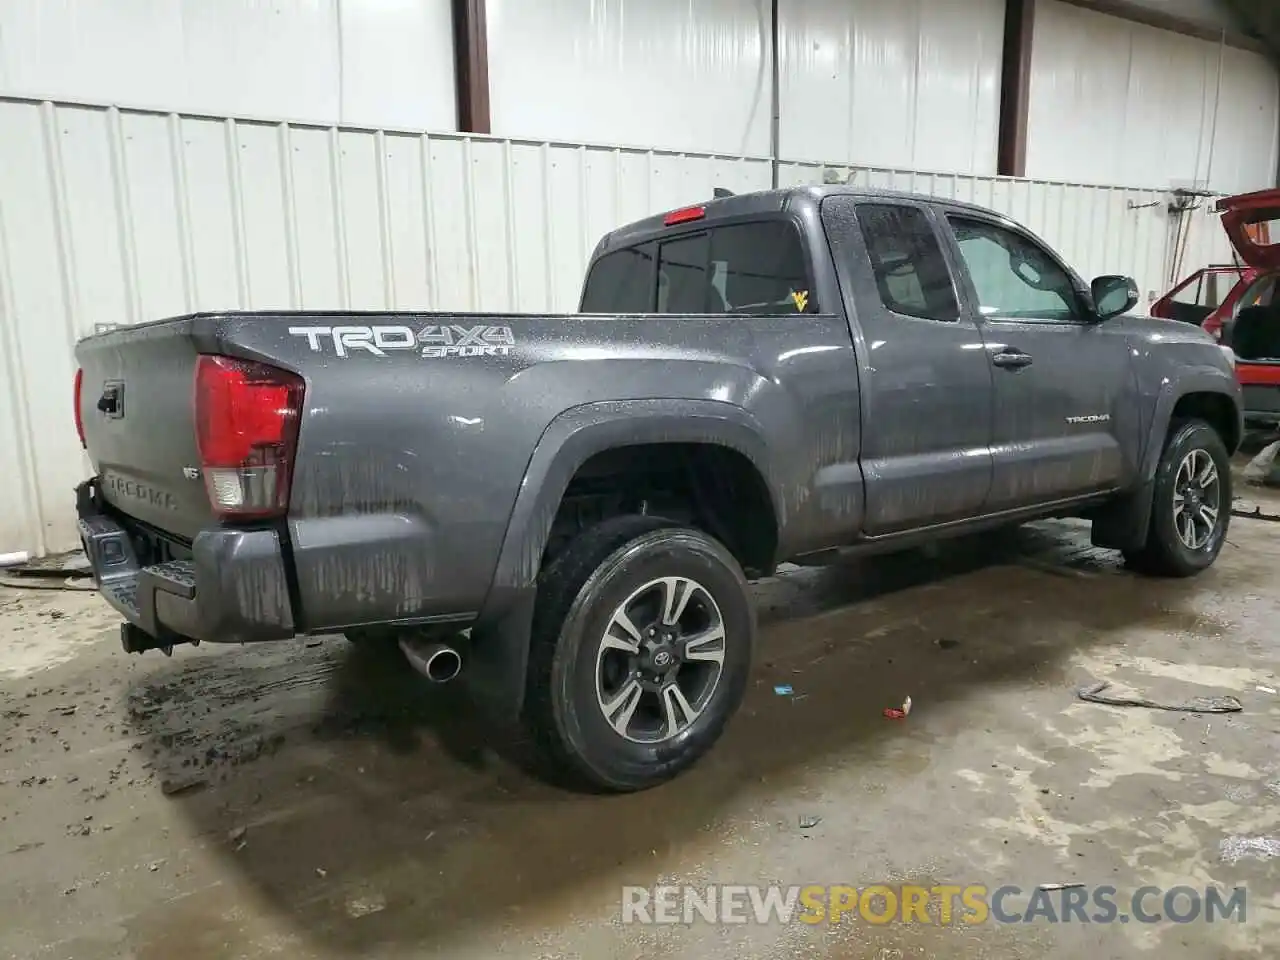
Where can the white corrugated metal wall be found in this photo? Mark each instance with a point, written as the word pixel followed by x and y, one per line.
pixel 898 82
pixel 1114 101
pixel 319 61
pixel 248 188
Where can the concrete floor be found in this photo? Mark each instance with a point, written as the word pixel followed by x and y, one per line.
pixel 333 808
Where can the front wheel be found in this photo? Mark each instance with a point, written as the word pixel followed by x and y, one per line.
pixel 1191 503
pixel 642 642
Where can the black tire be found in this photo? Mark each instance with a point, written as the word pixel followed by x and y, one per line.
pixel 578 595
pixel 1166 554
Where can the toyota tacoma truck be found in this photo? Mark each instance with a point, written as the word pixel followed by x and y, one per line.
pixel 791 375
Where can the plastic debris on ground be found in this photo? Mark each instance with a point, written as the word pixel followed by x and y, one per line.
pixel 783 690
pixel 899 713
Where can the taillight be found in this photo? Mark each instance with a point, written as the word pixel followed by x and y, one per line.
pixel 246 432
pixel 79 387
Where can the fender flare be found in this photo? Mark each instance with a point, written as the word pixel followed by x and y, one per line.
pixel 500 635
pixel 1201 382
pixel 1123 524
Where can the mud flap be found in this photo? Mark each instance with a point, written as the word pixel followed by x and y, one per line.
pixel 497 670
pixel 1123 523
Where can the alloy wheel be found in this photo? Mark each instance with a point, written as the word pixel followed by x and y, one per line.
pixel 1197 495
pixel 660 660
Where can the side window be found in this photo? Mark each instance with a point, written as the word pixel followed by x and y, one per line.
pixel 620 282
pixel 749 268
pixel 1260 294
pixel 1013 277
pixel 911 273
pixel 760 268
pixel 682 276
pixel 1193 294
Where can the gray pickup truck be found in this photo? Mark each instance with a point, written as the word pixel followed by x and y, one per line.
pixel 786 375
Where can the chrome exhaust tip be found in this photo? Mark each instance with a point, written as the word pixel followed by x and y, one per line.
pixel 436 661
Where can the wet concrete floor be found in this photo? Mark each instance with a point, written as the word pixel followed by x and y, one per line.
pixel 314 800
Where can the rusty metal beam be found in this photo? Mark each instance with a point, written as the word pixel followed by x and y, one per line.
pixel 1015 87
pixel 471 65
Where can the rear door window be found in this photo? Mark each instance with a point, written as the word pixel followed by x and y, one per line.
pixel 906 258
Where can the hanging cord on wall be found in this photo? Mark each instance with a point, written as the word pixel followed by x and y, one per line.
pixel 1181 237
pixel 1217 101
pixel 1184 205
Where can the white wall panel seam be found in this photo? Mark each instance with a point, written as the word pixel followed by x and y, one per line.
pixel 385 241
pixel 584 243
pixel 26 504
pixel 124 215
pixel 290 212
pixel 178 160
pixel 549 222
pixel 239 243
pixel 513 236
pixel 62 225
pixel 339 217
pixel 429 222
pixel 469 212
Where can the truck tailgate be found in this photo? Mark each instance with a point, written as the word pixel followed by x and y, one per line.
pixel 136 403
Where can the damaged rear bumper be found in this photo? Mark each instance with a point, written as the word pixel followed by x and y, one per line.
pixel 228 587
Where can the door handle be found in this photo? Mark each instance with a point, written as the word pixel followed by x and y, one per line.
pixel 1010 359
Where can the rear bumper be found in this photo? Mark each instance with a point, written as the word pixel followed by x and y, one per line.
pixel 233 589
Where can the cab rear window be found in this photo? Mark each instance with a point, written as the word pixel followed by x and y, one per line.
pixel 621 282
pixel 757 269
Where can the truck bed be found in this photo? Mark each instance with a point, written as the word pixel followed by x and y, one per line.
pixel 414 434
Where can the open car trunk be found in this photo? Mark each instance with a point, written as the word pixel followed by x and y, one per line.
pixel 1252 222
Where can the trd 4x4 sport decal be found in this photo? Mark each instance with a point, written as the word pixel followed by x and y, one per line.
pixel 432 341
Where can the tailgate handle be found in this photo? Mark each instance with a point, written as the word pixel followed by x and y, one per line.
pixel 112 400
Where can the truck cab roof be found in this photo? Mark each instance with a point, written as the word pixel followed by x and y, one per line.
pixel 758 204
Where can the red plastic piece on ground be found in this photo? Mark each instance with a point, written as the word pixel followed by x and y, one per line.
pixel 893 713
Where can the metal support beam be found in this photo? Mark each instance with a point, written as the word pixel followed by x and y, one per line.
pixel 775 96
pixel 1259 19
pixel 1015 87
pixel 471 65
pixel 1248 36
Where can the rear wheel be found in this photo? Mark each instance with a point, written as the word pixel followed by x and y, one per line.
pixel 1191 503
pixel 642 642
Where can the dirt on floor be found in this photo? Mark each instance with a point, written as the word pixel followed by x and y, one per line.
pixel 317 800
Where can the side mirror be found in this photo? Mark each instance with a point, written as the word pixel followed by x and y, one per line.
pixel 1113 295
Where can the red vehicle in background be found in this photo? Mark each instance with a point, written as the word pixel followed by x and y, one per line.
pixel 1238 304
